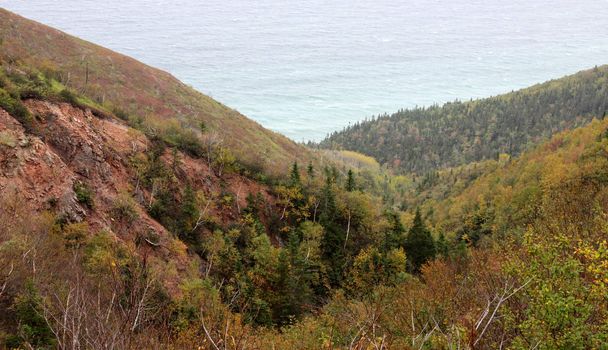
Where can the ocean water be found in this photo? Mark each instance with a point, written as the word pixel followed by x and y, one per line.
pixel 306 68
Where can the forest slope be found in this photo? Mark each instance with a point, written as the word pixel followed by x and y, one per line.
pixel 457 133
pixel 126 231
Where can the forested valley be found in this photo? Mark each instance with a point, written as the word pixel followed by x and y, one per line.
pixel 137 213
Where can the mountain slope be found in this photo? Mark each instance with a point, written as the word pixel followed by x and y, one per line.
pixel 557 193
pixel 145 93
pixel 119 231
pixel 458 133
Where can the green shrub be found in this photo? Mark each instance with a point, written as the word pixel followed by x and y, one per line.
pixel 69 97
pixel 14 107
pixel 84 195
pixel 120 113
pixel 75 234
pixel 183 138
pixel 33 329
pixel 124 210
pixel 37 87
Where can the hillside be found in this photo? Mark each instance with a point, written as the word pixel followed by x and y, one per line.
pixel 139 92
pixel 124 230
pixel 457 133
pixel 93 209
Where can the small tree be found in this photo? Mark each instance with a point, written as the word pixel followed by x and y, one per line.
pixel 310 171
pixel 419 245
pixel 395 236
pixel 350 181
pixel 295 179
pixel 33 330
pixel 202 127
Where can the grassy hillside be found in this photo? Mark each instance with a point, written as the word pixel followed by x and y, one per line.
pixel 137 91
pixel 457 133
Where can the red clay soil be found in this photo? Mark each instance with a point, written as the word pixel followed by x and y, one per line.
pixel 69 144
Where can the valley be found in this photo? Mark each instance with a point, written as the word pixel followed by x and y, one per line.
pixel 136 212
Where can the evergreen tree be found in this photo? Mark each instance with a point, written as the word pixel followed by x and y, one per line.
pixel 475 227
pixel 188 215
pixel 33 328
pixel 293 285
pixel 419 245
pixel 333 240
pixel 253 203
pixel 443 248
pixel 295 180
pixel 395 236
pixel 350 181
pixel 175 159
pixel 310 171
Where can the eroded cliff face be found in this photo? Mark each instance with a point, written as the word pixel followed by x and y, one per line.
pixel 67 146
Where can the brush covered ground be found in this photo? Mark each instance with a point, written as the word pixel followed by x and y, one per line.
pixel 135 213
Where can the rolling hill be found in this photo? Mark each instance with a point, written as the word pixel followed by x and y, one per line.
pixel 457 133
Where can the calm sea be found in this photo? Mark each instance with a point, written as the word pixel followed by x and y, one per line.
pixel 306 68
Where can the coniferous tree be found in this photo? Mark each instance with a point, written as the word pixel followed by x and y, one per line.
pixel 33 328
pixel 295 180
pixel 253 205
pixel 350 181
pixel 419 245
pixel 395 236
pixel 294 281
pixel 443 248
pixel 333 240
pixel 188 215
pixel 284 305
pixel 310 171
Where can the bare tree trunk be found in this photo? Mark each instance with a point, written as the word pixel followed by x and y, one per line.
pixel 347 229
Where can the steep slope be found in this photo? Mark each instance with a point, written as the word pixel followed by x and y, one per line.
pixel 145 93
pixel 457 133
pixel 120 231
pixel 85 169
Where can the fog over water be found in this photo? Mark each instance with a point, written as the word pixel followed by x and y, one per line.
pixel 306 68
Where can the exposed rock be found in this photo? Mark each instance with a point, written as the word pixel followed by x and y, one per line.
pixel 70 145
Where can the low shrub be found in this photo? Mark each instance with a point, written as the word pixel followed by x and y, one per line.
pixel 84 194
pixel 14 107
pixel 124 210
pixel 69 97
pixel 120 113
pixel 74 234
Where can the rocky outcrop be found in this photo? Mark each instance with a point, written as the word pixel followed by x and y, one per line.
pixel 69 145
